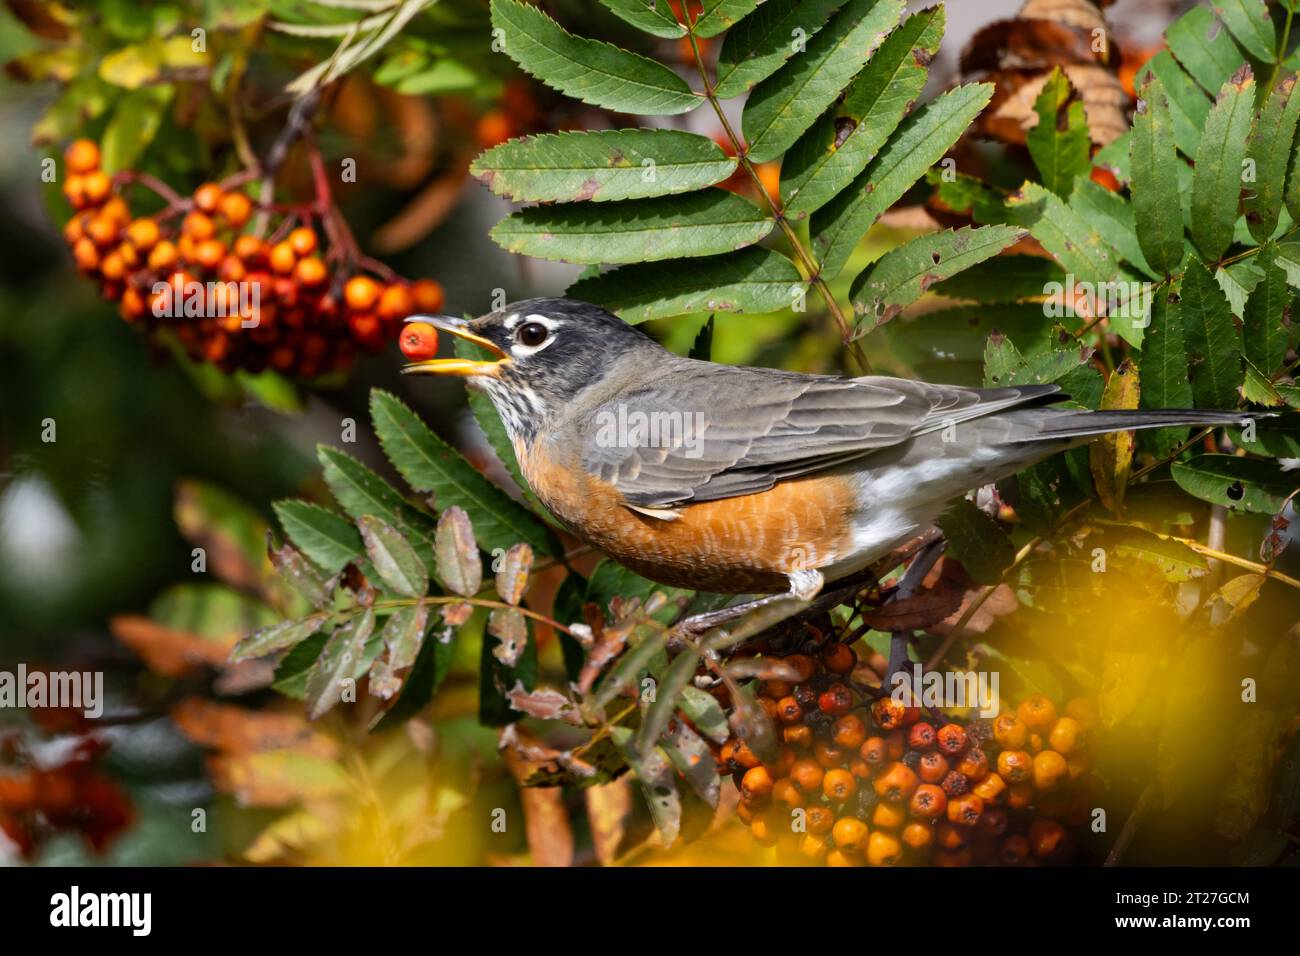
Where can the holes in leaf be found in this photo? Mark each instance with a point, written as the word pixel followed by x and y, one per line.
pixel 1236 491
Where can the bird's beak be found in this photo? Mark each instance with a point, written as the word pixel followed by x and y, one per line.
pixel 463 368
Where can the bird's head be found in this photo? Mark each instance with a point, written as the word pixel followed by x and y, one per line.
pixel 538 354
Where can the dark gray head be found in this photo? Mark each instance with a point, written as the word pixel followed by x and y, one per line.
pixel 539 354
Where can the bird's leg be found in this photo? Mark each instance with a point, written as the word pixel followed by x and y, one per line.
pixel 805 585
pixel 916 572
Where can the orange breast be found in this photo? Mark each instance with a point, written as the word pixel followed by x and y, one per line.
pixel 744 544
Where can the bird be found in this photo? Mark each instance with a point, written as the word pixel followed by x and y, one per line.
pixel 744 480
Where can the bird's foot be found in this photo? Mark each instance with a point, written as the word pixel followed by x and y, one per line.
pixel 805 585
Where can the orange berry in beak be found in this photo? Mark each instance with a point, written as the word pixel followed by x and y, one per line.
pixel 419 341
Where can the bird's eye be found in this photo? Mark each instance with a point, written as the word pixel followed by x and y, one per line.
pixel 532 334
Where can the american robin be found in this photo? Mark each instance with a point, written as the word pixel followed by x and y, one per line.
pixel 747 480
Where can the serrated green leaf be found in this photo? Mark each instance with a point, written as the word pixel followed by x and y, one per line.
pixel 718 15
pixel 752 280
pixel 1174 560
pixel 1271 146
pixel 1216 179
pixel 1264 329
pixel 658 781
pixel 1004 279
pixel 969 196
pixel 756 47
pixel 1240 484
pixel 637 230
pixel 1061 155
pixel 1165 381
pixel 655 17
pixel 1205 51
pixel 362 492
pixel 1257 388
pixel 1238 281
pixel 1188 105
pixel 330 540
pixel 839 145
pixel 396 562
pixel 977 541
pixel 592 71
pixel 1213 343
pixel 1005 365
pixel 1249 22
pixel 337 663
pixel 430 464
pixel 788 102
pixel 602 165
pixel 1115 221
pixel 919 143
pixel 277 637
pixel 902 275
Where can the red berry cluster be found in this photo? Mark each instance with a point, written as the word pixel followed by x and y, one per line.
pixel 857 781
pixel 229 296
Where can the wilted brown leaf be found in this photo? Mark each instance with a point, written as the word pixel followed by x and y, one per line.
pixel 236 730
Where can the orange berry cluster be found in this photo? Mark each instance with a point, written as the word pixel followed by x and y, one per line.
pixel 230 297
pixel 859 782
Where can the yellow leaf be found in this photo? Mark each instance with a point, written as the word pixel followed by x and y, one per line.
pixel 1111 456
pixel 179 54
pixel 132 66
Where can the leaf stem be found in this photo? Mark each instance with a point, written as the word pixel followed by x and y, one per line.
pixel 810 265
pixel 476 602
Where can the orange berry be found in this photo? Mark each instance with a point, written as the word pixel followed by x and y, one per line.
pixel 964 811
pixel 208 197
pixel 842 858
pixel 813 847
pixel 872 751
pixel 96 187
pixel 86 254
pixel 888 713
pixel 788 710
pixel 974 763
pixel 361 293
pixel 1020 796
pixel 492 128
pixel 920 736
pixel 117 210
pixel 311 272
pixel 918 835
pixel 835 700
pixel 250 249
pixel 769 174
pixel 949 837
pixel 888 816
pixel 786 793
pixel 819 819
pixel 849 834
pixel 838 785
pixel 164 255
pixel 928 802
pixel 1009 732
pixel 74 229
pixel 74 190
pixel 283 259
pixel 883 849
pixel 82 156
pixel 235 208
pixel 849 731
pixel 762 832
pixel 1049 768
pixel 428 295
pixel 807 774
pixel 112 267
pixel 933 767
pixel 198 226
pixel 1046 837
pixel 803 666
pixel 756 785
pixel 133 303
pixel 143 234
pixel 828 754
pixel 897 782
pixel 1037 712
pixel 839 658
pixel 798 735
pixel 102 231
pixel 951 739
pixel 1015 766
pixel 302 241
pixel 1014 850
pixel 395 302
pixel 209 253
pixel 419 341
pixel 990 789
pixel 1064 735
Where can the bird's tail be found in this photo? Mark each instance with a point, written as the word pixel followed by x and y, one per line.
pixel 1069 423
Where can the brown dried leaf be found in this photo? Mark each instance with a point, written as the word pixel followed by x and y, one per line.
pixel 236 730
pixel 168 652
pixel 512 575
pixel 510 629
pixel 457 553
pixel 545 704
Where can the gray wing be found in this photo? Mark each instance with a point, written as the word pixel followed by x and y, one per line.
pixel 705 431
